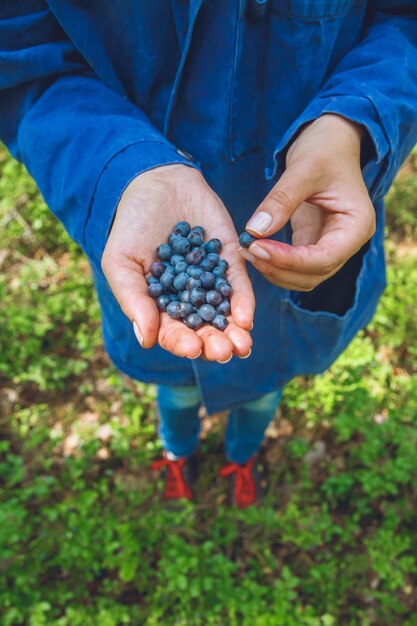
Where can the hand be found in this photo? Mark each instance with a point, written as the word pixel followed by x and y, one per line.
pixel 149 209
pixel 323 193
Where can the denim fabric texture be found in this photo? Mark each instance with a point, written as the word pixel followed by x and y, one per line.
pixel 94 93
pixel 179 424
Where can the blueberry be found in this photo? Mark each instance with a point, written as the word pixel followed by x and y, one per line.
pixel 194 321
pixel 180 281
pixel 194 271
pixel 170 270
pixel 207 280
pixel 174 310
pixel 173 297
pixel 155 290
pixel 182 228
pixel 214 257
pixel 208 264
pixel 225 289
pixel 219 271
pixel 207 312
pixel 167 279
pixel 214 245
pixel 162 302
pixel 181 245
pixel 176 258
pixel 223 263
pixel 200 229
pixel 194 257
pixel 197 296
pixel 181 266
pixel 224 307
pixel 245 239
pixel 164 252
pixel 220 322
pixel 218 281
pixel 213 297
pixel 192 282
pixel 157 269
pixel 195 237
pixel 185 296
pixel 186 309
pixel 152 279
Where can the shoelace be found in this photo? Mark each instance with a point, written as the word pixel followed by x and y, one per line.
pixel 245 489
pixel 175 485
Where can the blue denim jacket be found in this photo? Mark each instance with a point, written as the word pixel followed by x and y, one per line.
pixel 94 93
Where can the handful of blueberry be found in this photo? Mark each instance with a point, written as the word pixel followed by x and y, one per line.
pixel 188 280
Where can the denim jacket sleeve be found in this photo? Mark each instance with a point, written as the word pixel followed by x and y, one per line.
pixel 81 141
pixel 374 85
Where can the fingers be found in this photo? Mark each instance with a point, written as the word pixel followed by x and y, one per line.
pixel 242 300
pixel 175 337
pixel 297 183
pixel 126 280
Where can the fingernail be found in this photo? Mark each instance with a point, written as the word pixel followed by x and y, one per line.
pixel 138 334
pixel 196 356
pixel 248 354
pixel 259 223
pixel 260 252
pixel 247 255
pixel 251 326
pixel 229 359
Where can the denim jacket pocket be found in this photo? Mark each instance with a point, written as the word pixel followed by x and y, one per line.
pixel 312 339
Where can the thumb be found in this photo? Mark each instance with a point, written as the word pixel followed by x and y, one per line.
pixel 296 184
pixel 128 284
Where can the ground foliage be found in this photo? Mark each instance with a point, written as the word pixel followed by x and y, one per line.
pixel 83 537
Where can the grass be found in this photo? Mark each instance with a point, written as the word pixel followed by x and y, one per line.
pixel 83 537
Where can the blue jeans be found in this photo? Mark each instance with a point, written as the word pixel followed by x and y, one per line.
pixel 179 424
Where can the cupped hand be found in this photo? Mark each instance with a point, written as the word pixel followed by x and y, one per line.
pixel 148 210
pixel 323 193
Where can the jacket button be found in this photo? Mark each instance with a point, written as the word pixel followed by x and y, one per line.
pixel 184 154
pixel 257 9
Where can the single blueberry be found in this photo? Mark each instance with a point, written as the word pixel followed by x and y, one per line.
pixel 213 297
pixel 167 279
pixel 208 264
pixel 224 307
pixel 181 245
pixel 172 238
pixel 181 266
pixel 219 271
pixel 174 310
pixel 194 257
pixel 173 297
pixel 180 281
pixel 200 229
pixel 194 321
pixel 185 296
pixel 207 312
pixel 245 239
pixel 214 257
pixel 197 296
pixel 225 289
pixel 186 309
pixel 170 269
pixel 182 228
pixel 220 322
pixel 155 290
pixel 152 279
pixel 223 263
pixel 164 252
pixel 157 269
pixel 162 302
pixel 194 271
pixel 207 280
pixel 219 280
pixel 176 258
pixel 192 282
pixel 195 237
pixel 214 245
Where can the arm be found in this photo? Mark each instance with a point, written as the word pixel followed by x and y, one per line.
pixel 323 190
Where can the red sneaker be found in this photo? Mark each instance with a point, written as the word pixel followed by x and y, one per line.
pixel 179 476
pixel 248 481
